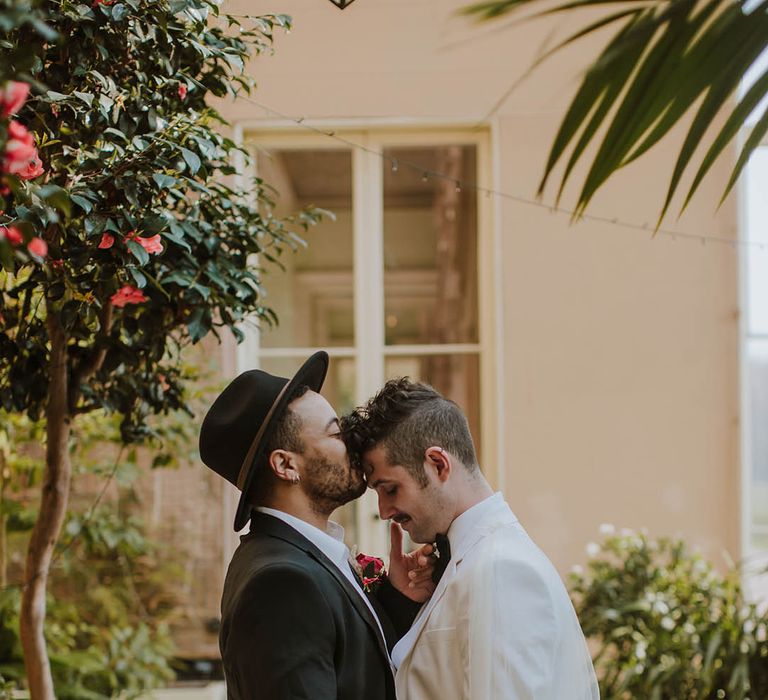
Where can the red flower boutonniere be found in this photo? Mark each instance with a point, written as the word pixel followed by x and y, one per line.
pixel 371 570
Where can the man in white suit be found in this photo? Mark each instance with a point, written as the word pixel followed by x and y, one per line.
pixel 500 624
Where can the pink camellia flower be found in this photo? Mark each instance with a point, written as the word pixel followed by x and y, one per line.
pixel 37 246
pixel 107 240
pixel 12 97
pixel 127 295
pixel 182 91
pixel 32 170
pixel 12 235
pixel 20 147
pixel 151 244
pixel 21 156
pixel 96 3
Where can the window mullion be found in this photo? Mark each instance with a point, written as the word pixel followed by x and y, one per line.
pixel 368 205
pixel 369 271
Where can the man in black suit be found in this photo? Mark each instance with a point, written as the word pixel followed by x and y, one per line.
pixel 296 623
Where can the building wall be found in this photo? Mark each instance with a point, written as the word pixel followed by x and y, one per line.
pixel 618 352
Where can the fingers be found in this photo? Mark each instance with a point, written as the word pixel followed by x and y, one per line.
pixel 418 577
pixel 425 550
pixel 395 540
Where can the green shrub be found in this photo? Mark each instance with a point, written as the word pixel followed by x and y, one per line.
pixel 663 624
pixel 111 595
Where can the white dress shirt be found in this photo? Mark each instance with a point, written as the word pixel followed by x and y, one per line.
pixel 330 543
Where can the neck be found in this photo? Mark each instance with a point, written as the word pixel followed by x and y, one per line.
pixel 294 502
pixel 475 489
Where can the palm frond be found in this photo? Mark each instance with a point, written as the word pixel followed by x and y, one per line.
pixel 667 59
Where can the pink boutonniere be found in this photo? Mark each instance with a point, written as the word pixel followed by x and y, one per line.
pixel 371 571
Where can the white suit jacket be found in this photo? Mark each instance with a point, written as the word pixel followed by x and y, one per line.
pixel 500 625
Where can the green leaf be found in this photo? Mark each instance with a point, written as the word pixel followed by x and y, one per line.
pixel 120 12
pixel 138 251
pixel 86 97
pixel 56 96
pixel 116 132
pixel 138 277
pixel 56 197
pixel 199 323
pixel 191 159
pixel 82 202
pixel 164 181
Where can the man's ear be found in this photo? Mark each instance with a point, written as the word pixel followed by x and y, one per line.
pixel 282 464
pixel 439 461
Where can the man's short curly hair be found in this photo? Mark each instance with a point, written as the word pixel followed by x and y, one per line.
pixel 406 418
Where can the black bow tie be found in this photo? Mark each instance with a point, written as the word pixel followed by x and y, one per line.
pixel 444 556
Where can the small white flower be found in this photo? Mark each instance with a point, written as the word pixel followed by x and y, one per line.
pixel 593 549
pixel 640 652
pixel 577 569
pixel 661 607
pixel 639 669
pixel 749 626
pixel 667 623
pixel 607 529
pixel 626 532
pixel 762 633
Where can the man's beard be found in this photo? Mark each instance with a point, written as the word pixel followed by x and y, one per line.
pixel 330 484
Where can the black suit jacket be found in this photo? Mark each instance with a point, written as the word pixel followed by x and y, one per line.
pixel 294 628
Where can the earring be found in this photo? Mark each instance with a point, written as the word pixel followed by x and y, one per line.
pixel 295 479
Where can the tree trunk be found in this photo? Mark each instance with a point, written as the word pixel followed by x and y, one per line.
pixel 53 508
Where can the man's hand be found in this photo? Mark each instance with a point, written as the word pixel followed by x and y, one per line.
pixel 411 573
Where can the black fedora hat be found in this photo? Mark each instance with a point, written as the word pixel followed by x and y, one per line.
pixel 237 428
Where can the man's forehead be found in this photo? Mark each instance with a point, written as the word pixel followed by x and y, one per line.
pixel 375 459
pixel 313 408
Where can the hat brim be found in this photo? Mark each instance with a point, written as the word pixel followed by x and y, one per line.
pixel 312 374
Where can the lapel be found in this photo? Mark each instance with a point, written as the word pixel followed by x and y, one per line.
pixel 274 527
pixel 500 516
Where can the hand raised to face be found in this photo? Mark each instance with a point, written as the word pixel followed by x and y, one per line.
pixel 410 573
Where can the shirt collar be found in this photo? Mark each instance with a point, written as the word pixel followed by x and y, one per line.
pixel 330 542
pixel 463 530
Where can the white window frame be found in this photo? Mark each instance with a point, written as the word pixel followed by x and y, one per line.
pixel 369 350
pixel 753 562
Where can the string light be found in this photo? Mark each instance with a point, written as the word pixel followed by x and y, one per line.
pixel 553 209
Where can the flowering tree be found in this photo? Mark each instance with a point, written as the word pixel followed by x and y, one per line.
pixel 121 241
pixel 18 153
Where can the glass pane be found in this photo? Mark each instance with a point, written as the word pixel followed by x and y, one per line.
pixel 456 377
pixel 430 245
pixel 313 295
pixel 339 389
pixel 757 230
pixel 758 385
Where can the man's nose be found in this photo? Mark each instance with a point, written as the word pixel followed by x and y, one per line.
pixel 386 511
